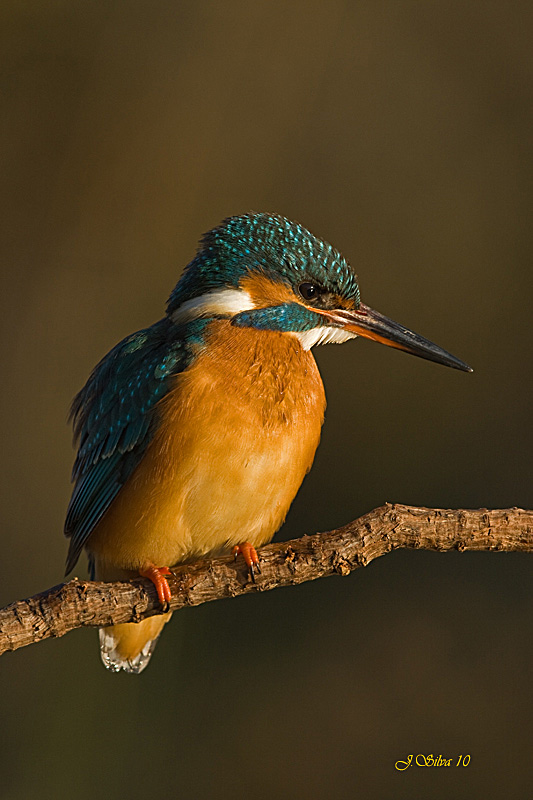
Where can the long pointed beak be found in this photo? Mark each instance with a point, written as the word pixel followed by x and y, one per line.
pixel 373 325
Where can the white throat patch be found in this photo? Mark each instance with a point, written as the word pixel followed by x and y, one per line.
pixel 324 335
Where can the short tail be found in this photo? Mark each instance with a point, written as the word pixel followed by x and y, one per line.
pixel 130 645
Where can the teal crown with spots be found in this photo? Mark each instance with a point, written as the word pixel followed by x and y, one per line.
pixel 282 250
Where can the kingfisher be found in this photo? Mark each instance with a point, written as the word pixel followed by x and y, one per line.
pixel 195 434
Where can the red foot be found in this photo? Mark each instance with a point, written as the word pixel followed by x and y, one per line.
pixel 249 554
pixel 157 576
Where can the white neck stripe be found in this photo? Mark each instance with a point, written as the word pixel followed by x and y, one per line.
pixel 219 301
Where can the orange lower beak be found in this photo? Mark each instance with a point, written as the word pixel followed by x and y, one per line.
pixel 373 325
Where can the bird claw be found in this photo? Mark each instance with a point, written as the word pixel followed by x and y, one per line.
pixel 250 556
pixel 158 577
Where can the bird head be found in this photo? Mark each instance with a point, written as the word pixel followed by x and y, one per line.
pixel 265 272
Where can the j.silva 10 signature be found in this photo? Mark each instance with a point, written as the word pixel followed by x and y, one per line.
pixel 422 760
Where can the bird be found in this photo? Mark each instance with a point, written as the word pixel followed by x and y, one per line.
pixel 195 434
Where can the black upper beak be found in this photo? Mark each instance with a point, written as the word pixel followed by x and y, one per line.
pixel 373 325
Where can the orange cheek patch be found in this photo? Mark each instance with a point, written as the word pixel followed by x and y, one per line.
pixel 265 292
pixel 345 303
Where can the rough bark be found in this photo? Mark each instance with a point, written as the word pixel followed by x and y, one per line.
pixel 88 603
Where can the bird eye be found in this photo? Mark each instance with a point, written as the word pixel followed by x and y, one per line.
pixel 310 291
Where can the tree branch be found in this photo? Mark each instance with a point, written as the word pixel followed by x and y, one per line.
pixel 88 603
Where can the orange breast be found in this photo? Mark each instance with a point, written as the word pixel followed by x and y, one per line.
pixel 236 436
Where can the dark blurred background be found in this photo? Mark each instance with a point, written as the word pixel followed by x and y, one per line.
pixel 401 132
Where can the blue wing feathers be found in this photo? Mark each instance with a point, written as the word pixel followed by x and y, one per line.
pixel 114 420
